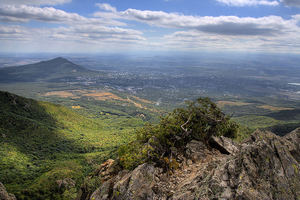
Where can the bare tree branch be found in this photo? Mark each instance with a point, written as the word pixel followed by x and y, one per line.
pixel 182 126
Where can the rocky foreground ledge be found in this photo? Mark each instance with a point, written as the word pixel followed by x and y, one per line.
pixel 265 166
pixel 4 195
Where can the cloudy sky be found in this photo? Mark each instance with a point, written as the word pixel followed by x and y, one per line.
pixel 94 26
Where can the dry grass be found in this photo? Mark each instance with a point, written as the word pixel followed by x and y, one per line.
pixel 273 108
pixel 142 100
pixel 221 104
pixel 135 103
pixel 100 96
pixel 80 91
pixel 64 94
pixel 103 96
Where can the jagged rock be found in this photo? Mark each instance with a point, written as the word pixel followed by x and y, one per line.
pixel 223 144
pixel 294 145
pixel 107 169
pixel 133 185
pixel 137 184
pixel 104 192
pixel 195 150
pixel 66 183
pixel 265 166
pixel 4 195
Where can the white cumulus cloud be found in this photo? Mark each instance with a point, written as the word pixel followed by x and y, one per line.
pixel 23 13
pixel 295 3
pixel 74 31
pixel 49 14
pixel 249 2
pixel 34 2
pixel 269 33
pixel 106 7
pixel 107 29
pixel 222 25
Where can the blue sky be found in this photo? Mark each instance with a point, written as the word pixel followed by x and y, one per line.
pixel 95 26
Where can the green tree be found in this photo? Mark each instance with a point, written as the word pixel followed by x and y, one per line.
pixel 199 120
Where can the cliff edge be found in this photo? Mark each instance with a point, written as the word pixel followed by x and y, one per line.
pixel 265 166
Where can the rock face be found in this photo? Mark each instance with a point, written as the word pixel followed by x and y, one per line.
pixel 137 184
pixel 265 166
pixel 66 183
pixel 4 195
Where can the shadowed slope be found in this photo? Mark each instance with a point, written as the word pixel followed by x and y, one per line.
pixel 36 136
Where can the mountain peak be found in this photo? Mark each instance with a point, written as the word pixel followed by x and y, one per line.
pixel 45 70
pixel 59 59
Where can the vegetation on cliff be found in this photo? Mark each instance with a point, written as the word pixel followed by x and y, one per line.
pixel 199 120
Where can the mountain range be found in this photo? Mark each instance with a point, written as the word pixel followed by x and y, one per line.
pixel 41 71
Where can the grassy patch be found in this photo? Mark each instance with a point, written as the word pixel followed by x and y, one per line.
pixel 256 122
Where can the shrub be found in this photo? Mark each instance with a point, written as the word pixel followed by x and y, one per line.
pixel 199 120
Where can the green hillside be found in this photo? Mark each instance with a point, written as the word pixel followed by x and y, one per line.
pixel 46 143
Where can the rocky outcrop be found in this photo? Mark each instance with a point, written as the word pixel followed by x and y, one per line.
pixel 104 176
pixel 137 184
pixel 66 183
pixel 223 144
pixel 4 195
pixel 265 166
